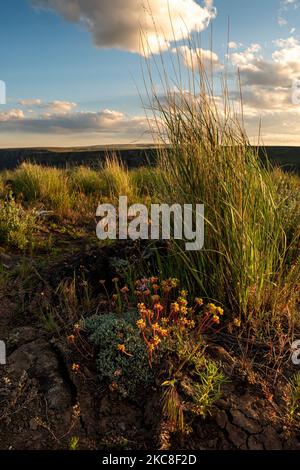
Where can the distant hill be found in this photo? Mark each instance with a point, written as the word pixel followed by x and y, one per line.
pixel 133 156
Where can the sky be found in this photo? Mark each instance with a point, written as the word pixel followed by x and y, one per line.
pixel 73 68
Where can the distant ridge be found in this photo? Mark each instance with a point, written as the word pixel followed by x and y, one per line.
pixel 133 156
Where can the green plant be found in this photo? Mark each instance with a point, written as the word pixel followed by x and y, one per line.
pixel 16 224
pixel 208 390
pixel 74 443
pixel 293 405
pixel 122 360
pixel 117 179
pixel 88 181
pixel 208 160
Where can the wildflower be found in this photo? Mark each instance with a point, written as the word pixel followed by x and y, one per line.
pixel 164 321
pixel 77 328
pixel 7 381
pixel 182 301
pixel 153 280
pixel 175 308
pixel 237 322
pixel 216 319
pixel 115 297
pixel 155 299
pixel 220 311
pixel 156 341
pixel 141 324
pixel 125 290
pixel 122 349
pixel 158 307
pixel 115 280
pixel 155 287
pixel 183 310
pixel 102 281
pixel 71 339
pixel 199 301
pixel 76 410
pixel 184 293
pixel 75 368
pixel 163 332
pixel 174 282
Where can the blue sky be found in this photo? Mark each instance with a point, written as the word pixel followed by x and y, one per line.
pixel 59 74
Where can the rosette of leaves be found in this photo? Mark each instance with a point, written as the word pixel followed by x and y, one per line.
pixel 130 372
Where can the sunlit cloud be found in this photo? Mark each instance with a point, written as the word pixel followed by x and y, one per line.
pixel 118 23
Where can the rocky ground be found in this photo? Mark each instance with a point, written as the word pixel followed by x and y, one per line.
pixel 45 405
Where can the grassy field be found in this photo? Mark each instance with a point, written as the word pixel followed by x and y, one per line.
pixel 147 330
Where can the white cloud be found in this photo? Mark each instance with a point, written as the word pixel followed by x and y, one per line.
pixel 118 23
pixel 103 121
pixel 30 102
pixel 196 58
pixel 232 45
pixel 11 115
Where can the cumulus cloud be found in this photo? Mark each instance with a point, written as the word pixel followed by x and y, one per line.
pixel 103 121
pixel 30 102
pixel 267 86
pixel 118 23
pixel 196 58
pixel 50 107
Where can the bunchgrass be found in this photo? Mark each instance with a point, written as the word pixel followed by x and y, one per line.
pixel 208 160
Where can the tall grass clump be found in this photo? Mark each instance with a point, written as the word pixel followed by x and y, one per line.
pixel 50 186
pixel 88 181
pixel 208 160
pixel 117 179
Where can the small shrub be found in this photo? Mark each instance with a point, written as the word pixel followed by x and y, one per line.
pixel 16 224
pixel 122 360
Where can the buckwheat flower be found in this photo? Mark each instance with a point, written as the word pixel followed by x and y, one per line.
pixel 237 322
pixel 122 348
pixel 163 332
pixel 115 280
pixel 155 287
pixel 183 310
pixel 175 308
pixel 76 328
pixel 75 368
pixel 153 280
pixel 165 321
pixel 141 324
pixel 71 339
pixel 156 341
pixel 125 290
pixel 174 282
pixel 220 311
pixel 184 293
pixel 199 301
pixel 76 410
pixel 158 307
pixel 102 281
pixel 216 319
